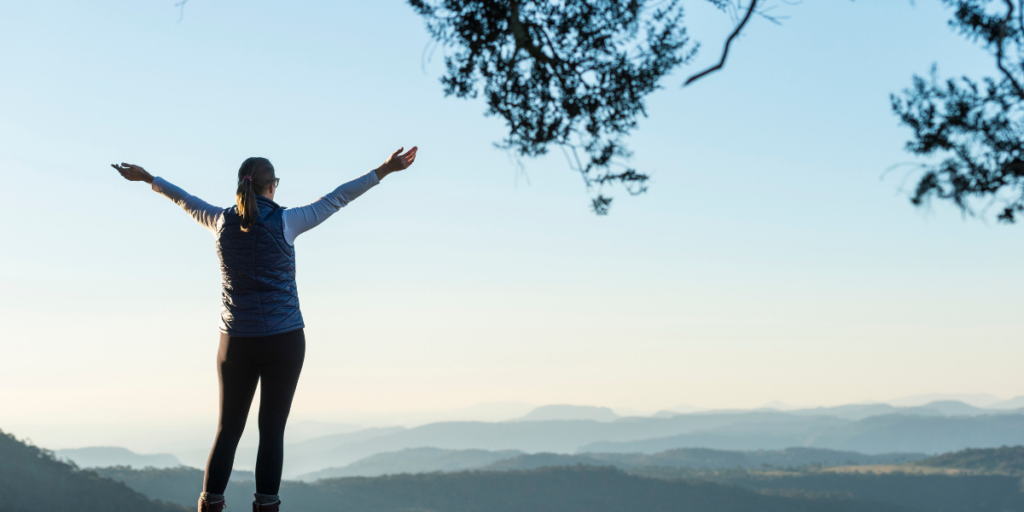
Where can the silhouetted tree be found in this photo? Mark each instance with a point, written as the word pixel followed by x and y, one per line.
pixel 569 73
pixel 975 127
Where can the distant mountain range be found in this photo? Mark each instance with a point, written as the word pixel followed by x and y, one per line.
pixel 935 428
pixel 32 479
pixel 414 460
pixel 560 436
pixel 569 412
pixel 931 428
pixel 427 460
pixel 875 434
pixel 862 411
pixel 586 488
pixel 920 404
pixel 975 399
pixel 104 456
pixel 1013 403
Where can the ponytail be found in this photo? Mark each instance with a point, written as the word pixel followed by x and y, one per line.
pixel 254 176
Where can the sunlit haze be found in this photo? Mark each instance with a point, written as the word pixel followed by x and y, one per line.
pixel 776 256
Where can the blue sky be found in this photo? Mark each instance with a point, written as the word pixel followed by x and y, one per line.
pixel 772 259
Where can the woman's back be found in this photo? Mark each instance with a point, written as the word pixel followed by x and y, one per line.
pixel 259 296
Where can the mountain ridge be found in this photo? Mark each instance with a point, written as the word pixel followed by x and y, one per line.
pixel 569 412
pixel 876 434
pixel 33 479
pixel 106 456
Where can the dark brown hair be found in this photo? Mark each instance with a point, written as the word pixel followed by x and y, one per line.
pixel 254 176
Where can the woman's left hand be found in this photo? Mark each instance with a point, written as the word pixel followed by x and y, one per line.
pixel 398 161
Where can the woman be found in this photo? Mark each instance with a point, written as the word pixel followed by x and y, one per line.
pixel 261 327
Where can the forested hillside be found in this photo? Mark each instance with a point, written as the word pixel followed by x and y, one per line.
pixel 600 488
pixel 563 489
pixel 1008 460
pixel 924 493
pixel 703 458
pixel 180 485
pixel 33 480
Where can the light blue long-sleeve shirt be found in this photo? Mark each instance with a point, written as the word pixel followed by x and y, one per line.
pixel 296 220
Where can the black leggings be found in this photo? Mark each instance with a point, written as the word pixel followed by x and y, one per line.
pixel 276 362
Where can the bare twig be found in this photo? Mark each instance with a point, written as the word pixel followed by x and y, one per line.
pixel 725 52
pixel 999 51
pixel 181 4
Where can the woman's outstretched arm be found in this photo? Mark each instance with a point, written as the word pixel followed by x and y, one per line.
pixel 205 214
pixel 302 219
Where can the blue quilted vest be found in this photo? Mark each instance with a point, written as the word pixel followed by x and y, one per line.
pixel 257 267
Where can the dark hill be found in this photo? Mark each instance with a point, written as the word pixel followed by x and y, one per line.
pixel 708 459
pixel 787 458
pixel 703 458
pixel 33 480
pixel 180 485
pixel 428 460
pixel 923 493
pixel 565 489
pixel 543 460
pixel 1007 460
pixel 575 489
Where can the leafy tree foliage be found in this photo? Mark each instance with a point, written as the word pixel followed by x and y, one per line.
pixel 975 127
pixel 570 73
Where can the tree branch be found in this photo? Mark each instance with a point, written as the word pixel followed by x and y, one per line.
pixel 999 50
pixel 1020 16
pixel 522 35
pixel 725 52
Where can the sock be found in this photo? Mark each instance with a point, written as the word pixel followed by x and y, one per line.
pixel 210 497
pixel 267 499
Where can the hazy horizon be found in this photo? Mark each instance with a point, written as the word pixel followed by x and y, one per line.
pixel 194 433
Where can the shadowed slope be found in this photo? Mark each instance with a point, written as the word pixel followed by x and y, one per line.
pixel 563 489
pixel 33 480
pixel 576 489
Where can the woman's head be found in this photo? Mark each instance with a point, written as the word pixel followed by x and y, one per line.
pixel 255 177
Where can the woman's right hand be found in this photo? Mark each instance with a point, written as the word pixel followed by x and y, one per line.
pixel 132 172
pixel 397 162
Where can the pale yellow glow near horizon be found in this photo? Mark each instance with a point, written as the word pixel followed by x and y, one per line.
pixel 462 349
